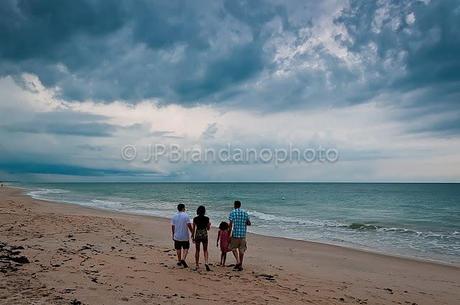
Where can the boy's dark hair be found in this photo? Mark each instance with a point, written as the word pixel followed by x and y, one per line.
pixel 201 211
pixel 237 204
pixel 223 226
pixel 180 207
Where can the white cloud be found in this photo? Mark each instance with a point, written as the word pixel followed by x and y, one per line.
pixel 373 145
pixel 410 18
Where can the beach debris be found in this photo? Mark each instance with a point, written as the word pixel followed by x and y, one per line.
pixel 389 290
pixel 267 277
pixel 19 259
pixel 75 302
pixel 10 258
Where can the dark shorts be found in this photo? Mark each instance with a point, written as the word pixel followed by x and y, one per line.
pixel 201 240
pixel 181 245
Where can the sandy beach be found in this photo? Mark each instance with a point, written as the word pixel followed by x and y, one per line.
pixel 53 253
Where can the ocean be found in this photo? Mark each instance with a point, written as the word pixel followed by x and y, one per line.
pixel 412 220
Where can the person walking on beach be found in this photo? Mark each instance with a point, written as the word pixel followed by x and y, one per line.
pixel 239 220
pixel 180 226
pixel 201 226
pixel 223 238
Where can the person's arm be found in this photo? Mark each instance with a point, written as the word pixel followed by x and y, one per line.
pixel 209 226
pixel 218 239
pixel 189 225
pixel 230 224
pixel 173 228
pixel 248 221
pixel 192 230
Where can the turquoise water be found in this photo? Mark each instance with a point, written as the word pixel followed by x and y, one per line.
pixel 416 220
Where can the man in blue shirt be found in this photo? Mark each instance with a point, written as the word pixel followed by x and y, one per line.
pixel 239 220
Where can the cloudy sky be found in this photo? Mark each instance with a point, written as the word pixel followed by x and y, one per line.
pixel 378 81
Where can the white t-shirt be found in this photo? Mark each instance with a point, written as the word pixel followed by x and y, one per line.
pixel 180 221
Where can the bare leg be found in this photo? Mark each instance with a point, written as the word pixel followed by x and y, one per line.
pixel 235 254
pixel 184 254
pixel 179 252
pixel 241 258
pixel 224 258
pixel 197 254
pixel 205 252
pixel 206 255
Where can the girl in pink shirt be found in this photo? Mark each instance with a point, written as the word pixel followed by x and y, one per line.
pixel 224 238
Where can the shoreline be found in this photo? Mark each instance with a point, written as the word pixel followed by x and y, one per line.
pixel 365 250
pixel 98 256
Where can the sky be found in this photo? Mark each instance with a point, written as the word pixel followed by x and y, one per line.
pixel 377 82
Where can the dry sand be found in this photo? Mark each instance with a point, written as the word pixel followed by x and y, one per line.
pixel 85 256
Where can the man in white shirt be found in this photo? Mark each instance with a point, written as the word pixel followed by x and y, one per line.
pixel 181 226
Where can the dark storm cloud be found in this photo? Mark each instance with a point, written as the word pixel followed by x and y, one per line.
pixel 63 123
pixel 243 63
pixel 108 50
pixel 38 29
pixel 227 52
pixel 69 123
pixel 422 42
pixel 62 169
pixel 429 43
pixel 91 147
pixel 256 12
pixel 76 129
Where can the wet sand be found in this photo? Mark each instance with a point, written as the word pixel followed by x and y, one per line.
pixel 56 253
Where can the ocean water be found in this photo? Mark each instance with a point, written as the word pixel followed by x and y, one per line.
pixel 414 220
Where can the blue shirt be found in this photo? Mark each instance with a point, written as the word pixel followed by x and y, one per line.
pixel 239 218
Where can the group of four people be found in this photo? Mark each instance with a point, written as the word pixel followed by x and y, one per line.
pixel 231 236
